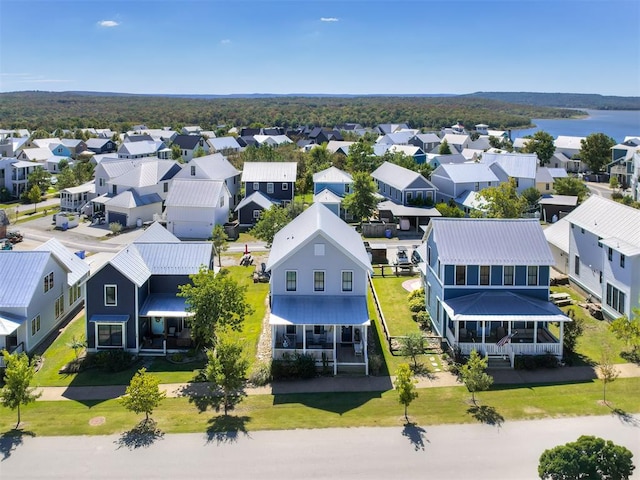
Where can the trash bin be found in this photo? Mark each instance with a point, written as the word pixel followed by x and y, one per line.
pixel 139 222
pixel 387 233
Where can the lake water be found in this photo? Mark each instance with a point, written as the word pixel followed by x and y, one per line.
pixel 615 123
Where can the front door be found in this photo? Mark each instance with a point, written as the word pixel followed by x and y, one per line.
pixel 157 326
pixel 347 335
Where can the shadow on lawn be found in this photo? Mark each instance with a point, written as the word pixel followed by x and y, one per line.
pixel 227 429
pixel 336 402
pixel 486 414
pixel 145 434
pixel 415 434
pixel 11 440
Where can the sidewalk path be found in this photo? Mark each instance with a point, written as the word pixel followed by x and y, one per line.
pixel 346 384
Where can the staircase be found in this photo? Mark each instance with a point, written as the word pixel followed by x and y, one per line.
pixel 499 362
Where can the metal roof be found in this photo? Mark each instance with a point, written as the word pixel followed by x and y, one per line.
pixel 21 272
pixel 567 142
pixel 327 196
pixel 408 211
pixel 145 147
pixel 557 172
pixel 165 305
pixel 195 193
pixel 467 172
pixel 400 177
pixel 569 200
pixel 621 246
pixel 131 199
pixel 606 219
pixel 156 233
pixel 259 199
pixel 319 310
pixel 210 167
pixel 314 221
pixel 9 324
pixel 222 143
pixel 502 306
pixel 517 165
pixel 86 187
pixel 77 269
pixel 145 174
pixel 485 241
pixel 269 172
pixel 332 175
pixel 557 234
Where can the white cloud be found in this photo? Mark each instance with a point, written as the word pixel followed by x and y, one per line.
pixel 108 23
pixel 226 41
pixel 329 19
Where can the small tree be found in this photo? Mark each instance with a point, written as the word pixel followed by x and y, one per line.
pixel 541 143
pixel 362 202
pixel 271 221
pixel 412 345
pixel 474 376
pixel 405 384
pixel 571 186
pixel 226 370
pixel 115 227
pixel 18 374
pixel 34 196
pixel 77 344
pixel 219 239
pixel 143 394
pixel 444 149
pixel 572 331
pixel 588 457
pixel 503 201
pixel 614 184
pixel 627 330
pixel 608 371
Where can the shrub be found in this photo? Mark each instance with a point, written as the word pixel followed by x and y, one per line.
pixel 296 365
pixel 424 320
pixel 419 293
pixel 375 364
pixel 260 374
pixel 113 360
pixel 115 227
pixel 417 304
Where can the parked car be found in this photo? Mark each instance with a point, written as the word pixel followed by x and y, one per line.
pixel 14 236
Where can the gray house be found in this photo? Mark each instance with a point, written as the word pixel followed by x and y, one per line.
pixel 318 291
pixel 276 180
pixel 131 300
pixel 403 186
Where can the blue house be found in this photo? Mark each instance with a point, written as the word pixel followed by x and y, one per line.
pixel 403 186
pixel 486 285
pixel 330 186
pixel 276 180
pixel 132 301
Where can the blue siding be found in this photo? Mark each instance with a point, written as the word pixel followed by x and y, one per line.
pixel 450 293
pixel 168 283
pixel 245 214
pixel 278 192
pixel 521 275
pixel 337 188
pixel 449 274
pixel 543 275
pixel 473 272
pixel 496 274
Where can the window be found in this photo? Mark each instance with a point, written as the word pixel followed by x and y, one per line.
pixel 318 281
pixel 508 275
pixel 484 274
pixel 101 182
pixel 221 202
pixel 59 306
pixel 347 281
pixel 615 298
pixel 621 261
pixel 318 329
pixel 285 186
pixel 48 282
pixel 576 265
pixel 438 271
pixel 429 255
pixel 461 275
pixel 110 295
pixel 409 196
pixel 582 231
pixel 477 187
pixel 35 325
pixel 114 189
pixel 532 275
pixel 165 187
pixel 256 214
pixel 270 187
pixel 291 280
pixel 109 335
pixel 546 186
pixel 290 329
pixel 318 249
pixel 347 188
pixel 74 293
pixel 610 253
pixel 428 294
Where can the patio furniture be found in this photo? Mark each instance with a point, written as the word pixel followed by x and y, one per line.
pixel 184 338
pixel 358 348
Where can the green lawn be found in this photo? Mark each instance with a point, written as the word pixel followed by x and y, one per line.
pixel 269 412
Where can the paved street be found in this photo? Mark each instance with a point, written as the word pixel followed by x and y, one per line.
pixel 510 451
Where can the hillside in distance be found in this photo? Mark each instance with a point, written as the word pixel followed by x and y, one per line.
pixel 564 100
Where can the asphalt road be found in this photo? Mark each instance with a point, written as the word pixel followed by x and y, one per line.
pixel 510 451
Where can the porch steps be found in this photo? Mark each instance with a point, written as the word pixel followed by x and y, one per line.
pixel 499 362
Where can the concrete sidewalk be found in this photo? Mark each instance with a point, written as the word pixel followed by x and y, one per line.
pixel 347 384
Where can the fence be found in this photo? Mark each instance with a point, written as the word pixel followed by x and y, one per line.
pixel 383 321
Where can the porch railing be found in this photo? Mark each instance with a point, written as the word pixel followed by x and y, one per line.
pixel 316 353
pixel 516 348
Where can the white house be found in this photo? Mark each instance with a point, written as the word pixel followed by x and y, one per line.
pixel 214 167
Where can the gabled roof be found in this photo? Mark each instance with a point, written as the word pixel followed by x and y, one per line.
pixel 140 148
pixel 516 165
pixel 145 174
pixel 557 234
pixel 318 220
pixel 222 143
pixel 187 142
pixel 466 172
pixel 607 219
pixel 21 273
pixel 543 175
pixel 76 268
pixel 195 193
pixel 428 138
pixel 396 138
pixel 277 139
pixel 36 153
pixel 259 199
pixel 385 128
pixel 400 177
pixel 332 175
pixel 468 241
pixel 557 172
pixel 455 138
pixel 410 150
pixel 210 167
pixel 269 172
pixel 70 142
pixel 156 233
pixel 131 199
pixel 97 142
pixel 337 145
pixel 566 142
pixel 327 196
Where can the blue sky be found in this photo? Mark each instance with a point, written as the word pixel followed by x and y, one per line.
pixel 307 46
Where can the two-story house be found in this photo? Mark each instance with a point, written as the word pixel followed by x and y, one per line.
pixel 453 181
pixel 214 167
pixel 330 186
pixel 318 291
pixel 519 166
pixel 189 144
pixel 487 280
pixel 274 181
pixel 621 165
pixel 132 301
pixel 403 186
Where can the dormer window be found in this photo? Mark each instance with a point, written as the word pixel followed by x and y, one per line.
pixel 193 170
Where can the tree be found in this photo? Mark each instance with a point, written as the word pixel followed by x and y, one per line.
pixel 362 202
pixel 361 158
pixel 18 374
pixel 198 152
pixel 531 195
pixel 444 149
pixel 449 210
pixel 412 345
pixel 503 201
pixel 219 239
pixel 217 302
pixel 34 196
pixel 541 143
pixel 176 152
pixel 628 330
pixel 608 371
pixel 143 394
pixel 572 331
pixel 226 370
pixel 474 376
pixel 83 172
pixel 571 186
pixel 588 457
pixel 271 221
pixel 595 151
pixel 115 228
pixel 614 184
pixel 77 344
pixel 41 178
pixel 405 384
pixel 66 179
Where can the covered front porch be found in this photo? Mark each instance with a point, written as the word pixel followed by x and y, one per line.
pixel 164 325
pixel 332 330
pixel 503 324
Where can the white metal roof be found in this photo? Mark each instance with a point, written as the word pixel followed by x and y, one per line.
pixel 259 199
pixel 269 172
pixel 517 165
pixel 557 234
pixel 195 193
pixel 332 175
pixel 400 177
pixel 327 196
pixel 77 268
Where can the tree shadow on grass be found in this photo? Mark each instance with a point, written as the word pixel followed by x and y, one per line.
pixel 12 439
pixel 486 414
pixel 337 402
pixel 145 434
pixel 625 417
pixel 415 434
pixel 199 394
pixel 227 429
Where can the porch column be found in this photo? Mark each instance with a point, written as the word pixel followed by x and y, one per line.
pixel 509 327
pixel 457 331
pixel 304 339
pixel 535 332
pixel 274 329
pixel 335 351
pixel 483 330
pixel 365 353
pixel 562 337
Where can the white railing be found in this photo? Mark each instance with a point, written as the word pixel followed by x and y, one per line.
pixel 280 353
pixel 516 348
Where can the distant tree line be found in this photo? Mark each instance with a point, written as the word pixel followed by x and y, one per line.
pixel 564 100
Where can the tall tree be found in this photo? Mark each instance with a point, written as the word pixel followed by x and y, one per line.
pixel 628 329
pixel 34 195
pixel 217 302
pixel 595 151
pixel 219 239
pixel 143 394
pixel 271 221
pixel 531 195
pixel 588 457
pixel 474 376
pixel 319 158
pixel 226 370
pixel 362 201
pixel 541 143
pixel 405 385
pixel 361 158
pixel 41 178
pixel 573 186
pixel 503 201
pixel 66 179
pixel 444 149
pixel 18 374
